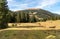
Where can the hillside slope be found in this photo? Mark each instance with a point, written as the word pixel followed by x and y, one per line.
pixel 40 13
pixel 32 15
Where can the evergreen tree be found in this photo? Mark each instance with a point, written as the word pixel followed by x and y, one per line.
pixel 3 13
pixel 32 17
pixel 27 17
pixel 18 18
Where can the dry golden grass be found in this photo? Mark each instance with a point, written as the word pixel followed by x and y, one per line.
pixel 46 26
pixel 47 23
pixel 51 23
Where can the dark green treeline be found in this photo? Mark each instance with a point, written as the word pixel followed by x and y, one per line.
pixel 3 13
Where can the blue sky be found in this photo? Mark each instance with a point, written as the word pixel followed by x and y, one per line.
pixel 50 5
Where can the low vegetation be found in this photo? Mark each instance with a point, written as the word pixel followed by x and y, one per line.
pixel 29 34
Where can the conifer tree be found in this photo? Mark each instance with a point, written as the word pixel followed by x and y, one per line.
pixel 3 13
pixel 18 18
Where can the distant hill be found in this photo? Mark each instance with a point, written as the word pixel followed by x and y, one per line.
pixel 25 15
pixel 40 13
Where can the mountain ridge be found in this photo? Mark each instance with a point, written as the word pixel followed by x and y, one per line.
pixel 37 14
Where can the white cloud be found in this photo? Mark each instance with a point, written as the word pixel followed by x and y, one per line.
pixel 46 3
pixel 9 0
pixel 13 5
pixel 57 12
pixel 20 7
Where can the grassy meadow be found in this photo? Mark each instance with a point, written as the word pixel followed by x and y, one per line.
pixel 33 33
pixel 29 34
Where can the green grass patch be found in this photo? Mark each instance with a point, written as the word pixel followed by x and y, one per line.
pixel 28 34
